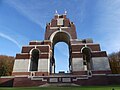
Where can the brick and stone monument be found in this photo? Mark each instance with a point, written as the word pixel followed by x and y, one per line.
pixel 35 65
pixel 37 58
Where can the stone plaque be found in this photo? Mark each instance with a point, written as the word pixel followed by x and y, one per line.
pixel 66 79
pixel 53 80
pixel 60 21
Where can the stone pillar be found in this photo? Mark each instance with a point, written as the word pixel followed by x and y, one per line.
pixel 53 68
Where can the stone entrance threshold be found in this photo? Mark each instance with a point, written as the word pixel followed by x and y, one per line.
pixel 61 80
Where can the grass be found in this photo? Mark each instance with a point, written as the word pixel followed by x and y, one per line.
pixel 64 88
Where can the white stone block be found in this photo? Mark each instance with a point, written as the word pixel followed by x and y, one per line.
pixel 100 63
pixel 53 80
pixel 21 65
pixel 60 21
pixel 66 79
pixel 77 64
pixel 44 65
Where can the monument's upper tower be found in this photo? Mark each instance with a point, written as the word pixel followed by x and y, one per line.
pixel 60 23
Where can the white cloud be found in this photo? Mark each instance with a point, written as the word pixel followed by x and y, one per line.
pixel 106 17
pixel 13 36
pixel 106 26
pixel 33 10
pixel 10 39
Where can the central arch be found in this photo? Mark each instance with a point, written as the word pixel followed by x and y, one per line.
pixel 60 36
pixel 61 55
pixel 56 37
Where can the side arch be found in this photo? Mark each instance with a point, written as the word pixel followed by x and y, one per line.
pixel 86 47
pixel 33 49
pixel 86 51
pixel 34 58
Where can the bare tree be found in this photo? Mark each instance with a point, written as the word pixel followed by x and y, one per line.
pixel 115 62
pixel 6 65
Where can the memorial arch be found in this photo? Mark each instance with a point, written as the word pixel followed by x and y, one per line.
pixel 84 55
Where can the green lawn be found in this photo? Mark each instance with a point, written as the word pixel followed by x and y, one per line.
pixel 64 88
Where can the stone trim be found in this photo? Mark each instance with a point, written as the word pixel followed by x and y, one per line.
pixel 94 54
pixel 42 48
pixel 79 73
pixel 101 72
pixel 20 73
pixel 22 56
pixel 27 56
pixel 30 73
pixel 78 47
pixel 76 55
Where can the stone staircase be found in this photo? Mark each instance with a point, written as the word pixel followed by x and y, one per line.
pixel 59 79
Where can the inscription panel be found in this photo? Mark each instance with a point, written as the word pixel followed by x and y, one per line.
pixel 66 79
pixel 53 80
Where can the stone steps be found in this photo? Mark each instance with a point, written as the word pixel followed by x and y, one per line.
pixel 58 85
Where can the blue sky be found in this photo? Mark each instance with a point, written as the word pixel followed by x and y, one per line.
pixel 24 20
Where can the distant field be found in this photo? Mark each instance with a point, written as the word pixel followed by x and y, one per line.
pixel 65 88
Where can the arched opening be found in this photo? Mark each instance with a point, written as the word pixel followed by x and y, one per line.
pixel 62 38
pixel 87 58
pixel 34 60
pixel 61 55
